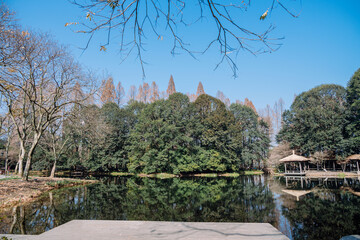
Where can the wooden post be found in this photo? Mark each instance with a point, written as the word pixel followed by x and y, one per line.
pixel 334 165
pixel 285 167
pixel 300 167
pixel 302 184
pixel 357 165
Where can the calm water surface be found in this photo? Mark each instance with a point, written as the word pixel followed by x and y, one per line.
pixel 299 208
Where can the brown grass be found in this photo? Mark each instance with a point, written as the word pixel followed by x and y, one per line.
pixel 16 191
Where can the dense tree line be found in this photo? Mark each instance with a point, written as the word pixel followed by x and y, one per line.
pixel 172 135
pixel 324 122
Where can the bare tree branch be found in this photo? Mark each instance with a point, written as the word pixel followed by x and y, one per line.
pixel 134 19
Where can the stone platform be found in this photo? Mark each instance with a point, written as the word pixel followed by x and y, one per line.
pixel 104 229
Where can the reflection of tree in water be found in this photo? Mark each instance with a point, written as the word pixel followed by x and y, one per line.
pixel 17 225
pixel 325 215
pixel 245 199
pixel 204 200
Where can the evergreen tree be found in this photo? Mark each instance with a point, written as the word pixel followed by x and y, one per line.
pixel 254 144
pixel 353 99
pixel 249 104
pixel 316 121
pixel 154 92
pixel 160 141
pixel 200 90
pixel 146 92
pixel 140 94
pixel 216 135
pixel 108 93
pixel 171 87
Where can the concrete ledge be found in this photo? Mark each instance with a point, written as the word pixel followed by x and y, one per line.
pixel 104 229
pixel 98 229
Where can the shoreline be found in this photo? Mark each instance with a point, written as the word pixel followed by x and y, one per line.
pixel 322 174
pixel 15 191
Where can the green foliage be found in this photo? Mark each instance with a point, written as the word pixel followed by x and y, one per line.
pixel 353 117
pixel 160 141
pixel 316 121
pixel 110 153
pixel 254 143
pixel 167 136
pixel 217 131
pixel 176 136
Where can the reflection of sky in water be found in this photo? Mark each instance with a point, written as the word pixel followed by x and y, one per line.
pixel 284 225
pixel 243 199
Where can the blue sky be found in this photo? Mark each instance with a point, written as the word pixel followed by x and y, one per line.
pixel 321 46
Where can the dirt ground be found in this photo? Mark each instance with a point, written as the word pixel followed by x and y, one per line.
pixel 16 191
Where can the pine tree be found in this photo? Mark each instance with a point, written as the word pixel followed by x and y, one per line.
pixel 200 90
pixel 154 92
pixel 108 91
pixel 140 95
pixel 146 92
pixel 171 87
pixel 249 104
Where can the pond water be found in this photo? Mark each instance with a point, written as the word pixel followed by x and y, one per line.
pixel 300 208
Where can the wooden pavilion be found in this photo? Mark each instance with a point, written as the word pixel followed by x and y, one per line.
pixel 295 165
pixel 356 158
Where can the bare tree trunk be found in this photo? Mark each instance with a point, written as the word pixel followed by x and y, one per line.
pixel 29 156
pixel 52 174
pixel 80 152
pixel 7 154
pixel 21 158
pixel 22 220
pixel 14 214
pixel 16 168
pixel 49 210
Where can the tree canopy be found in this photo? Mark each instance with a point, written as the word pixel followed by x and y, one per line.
pixel 353 99
pixel 316 121
pixel 173 135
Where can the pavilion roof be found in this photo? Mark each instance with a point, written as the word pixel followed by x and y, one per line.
pixel 353 157
pixel 296 193
pixel 294 158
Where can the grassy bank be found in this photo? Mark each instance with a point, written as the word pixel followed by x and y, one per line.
pixel 121 174
pixel 169 175
pixel 214 175
pixel 252 172
pixel 157 175
pixel 15 191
